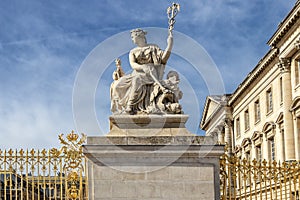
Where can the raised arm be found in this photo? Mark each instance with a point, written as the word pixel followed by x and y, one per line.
pixel 168 49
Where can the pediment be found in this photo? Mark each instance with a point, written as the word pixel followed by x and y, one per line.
pixel 256 135
pixel 295 104
pixel 211 107
pixel 246 142
pixel 268 127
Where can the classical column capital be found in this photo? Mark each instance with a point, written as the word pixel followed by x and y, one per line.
pixel 213 134
pixel 227 123
pixel 284 64
pixel 219 129
pixel 297 44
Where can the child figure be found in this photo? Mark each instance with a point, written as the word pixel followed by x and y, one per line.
pixel 117 74
pixel 172 84
pixel 168 100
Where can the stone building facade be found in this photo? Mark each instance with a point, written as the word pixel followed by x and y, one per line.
pixel 261 118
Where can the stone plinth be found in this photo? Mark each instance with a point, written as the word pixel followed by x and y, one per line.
pixel 148 125
pixel 153 168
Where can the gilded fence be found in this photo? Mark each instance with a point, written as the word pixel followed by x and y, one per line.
pixel 54 174
pixel 243 179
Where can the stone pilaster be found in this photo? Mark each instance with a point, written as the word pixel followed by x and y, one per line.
pixel 265 146
pixel 220 134
pixel 253 151
pixel 280 144
pixel 296 133
pixel 285 68
pixel 228 135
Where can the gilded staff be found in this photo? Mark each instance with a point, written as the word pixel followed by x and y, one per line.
pixel 172 11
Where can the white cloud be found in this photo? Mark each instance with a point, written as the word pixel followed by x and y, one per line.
pixel 32 124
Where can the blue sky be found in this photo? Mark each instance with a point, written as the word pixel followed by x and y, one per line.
pixel 44 43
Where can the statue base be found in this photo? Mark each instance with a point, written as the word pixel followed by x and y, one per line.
pixel 158 167
pixel 148 125
pixel 152 157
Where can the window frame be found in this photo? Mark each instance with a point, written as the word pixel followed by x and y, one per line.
pixel 257 111
pixel 238 127
pixel 269 100
pixel 247 119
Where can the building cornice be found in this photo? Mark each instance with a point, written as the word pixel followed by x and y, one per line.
pixel 285 25
pixel 260 67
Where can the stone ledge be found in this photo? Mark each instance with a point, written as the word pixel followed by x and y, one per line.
pixel 152 140
pixel 157 150
pixel 138 155
pixel 143 152
pixel 148 125
pixel 148 121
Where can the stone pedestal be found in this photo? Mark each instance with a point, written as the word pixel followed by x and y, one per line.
pixel 148 125
pixel 158 167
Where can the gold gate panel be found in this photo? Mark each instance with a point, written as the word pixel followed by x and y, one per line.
pixel 247 180
pixel 45 174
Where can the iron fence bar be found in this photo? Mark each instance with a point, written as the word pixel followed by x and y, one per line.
pixel 234 177
pixel 227 182
pixel 26 176
pixel 61 179
pixel 38 174
pixel 250 178
pixel 239 178
pixel 48 163
pixel 14 173
pixel 21 172
pixel 270 180
pixel 290 186
pixel 10 175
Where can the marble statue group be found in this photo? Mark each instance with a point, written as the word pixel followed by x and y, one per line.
pixel 144 90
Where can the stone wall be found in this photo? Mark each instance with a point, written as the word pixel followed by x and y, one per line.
pixel 153 168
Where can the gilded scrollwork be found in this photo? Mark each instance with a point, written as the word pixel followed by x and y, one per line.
pixel 73 158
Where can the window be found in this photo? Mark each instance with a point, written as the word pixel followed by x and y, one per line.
pixel 257 110
pixel 258 153
pixel 272 148
pixel 281 90
pixel 247 124
pixel 297 67
pixel 238 127
pixel 269 101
